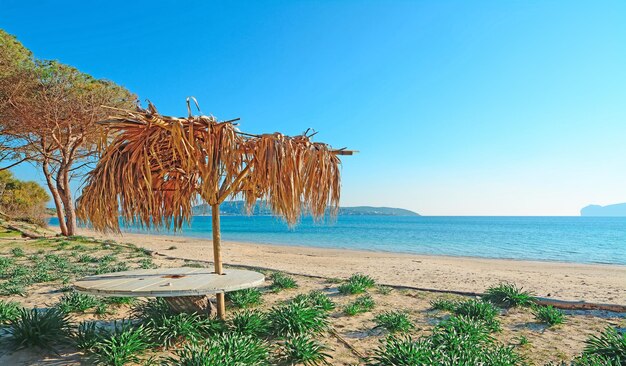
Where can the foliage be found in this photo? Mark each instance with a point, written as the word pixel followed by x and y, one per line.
pixel 39 328
pixel 609 345
pixel 88 335
pixel 362 304
pixel 169 330
pixel 281 281
pixel 357 284
pixel 549 315
pixel 18 252
pixel 245 298
pixel 316 298
pixel 443 304
pixel 394 321
pixel 9 311
pixel 508 295
pixel 75 302
pixel 22 200
pixel 121 346
pixel 147 263
pixel 479 310
pixel 250 322
pixel 302 349
pixel 232 349
pixel 297 317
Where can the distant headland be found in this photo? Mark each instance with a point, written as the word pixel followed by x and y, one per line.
pixel 618 209
pixel 260 209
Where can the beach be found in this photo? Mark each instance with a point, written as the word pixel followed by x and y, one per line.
pixel 557 280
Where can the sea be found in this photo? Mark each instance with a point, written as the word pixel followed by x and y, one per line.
pixel 564 239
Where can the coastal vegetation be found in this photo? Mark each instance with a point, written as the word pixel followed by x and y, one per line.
pixel 303 325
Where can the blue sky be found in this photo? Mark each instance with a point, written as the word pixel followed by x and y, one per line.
pixel 458 108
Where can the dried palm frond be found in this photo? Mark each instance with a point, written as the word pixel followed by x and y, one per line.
pixel 153 169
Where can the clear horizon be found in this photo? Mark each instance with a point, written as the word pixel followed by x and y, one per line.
pixel 490 109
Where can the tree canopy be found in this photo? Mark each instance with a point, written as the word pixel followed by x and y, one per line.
pixel 22 200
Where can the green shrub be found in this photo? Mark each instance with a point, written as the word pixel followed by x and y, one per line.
pixel 549 315
pixel 75 302
pixel 281 281
pixel 250 322
pixel 147 263
pixel 12 287
pixel 384 290
pixel 120 300
pixel 18 252
pixel 86 258
pixel 39 328
pixel 403 352
pixel 443 304
pixel 302 349
pixel 88 335
pixel 316 298
pixel 362 304
pixel 508 295
pixel 479 310
pixel 223 350
pixel 245 298
pixel 357 284
pixel 121 346
pixel 609 345
pixel 150 309
pixel 297 317
pixel 171 329
pixel 461 328
pixel 9 311
pixel 394 321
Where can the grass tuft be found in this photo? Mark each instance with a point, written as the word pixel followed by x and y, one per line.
pixel 316 298
pixel 281 281
pixel 18 252
pixel 508 295
pixel 75 302
pixel 169 330
pixel 304 350
pixel 223 350
pixel 39 328
pixel 549 315
pixel 357 284
pixel 443 304
pixel 394 321
pixel 608 345
pixel 479 310
pixel 250 322
pixel 297 317
pixel 122 346
pixel 362 304
pixel 9 311
pixel 245 298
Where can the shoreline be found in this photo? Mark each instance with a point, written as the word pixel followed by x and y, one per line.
pixel 601 283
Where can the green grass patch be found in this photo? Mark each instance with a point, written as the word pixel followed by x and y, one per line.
pixel 479 310
pixel 245 298
pixel 297 317
pixel 608 347
pixel 508 295
pixel 250 322
pixel 316 298
pixel 223 350
pixel 18 252
pixel 394 321
pixel 39 328
pixel 9 311
pixel 75 302
pixel 121 346
pixel 362 304
pixel 304 350
pixel 443 304
pixel 281 281
pixel 549 315
pixel 357 284
pixel 169 330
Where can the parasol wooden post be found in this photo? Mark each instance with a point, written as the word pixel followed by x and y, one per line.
pixel 217 256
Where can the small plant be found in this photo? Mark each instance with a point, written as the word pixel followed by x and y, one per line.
pixel 151 309
pixel 281 281
pixel 223 350
pixel 334 280
pixel 88 336
pixel 362 304
pixel 443 304
pixel 122 346
pixel 384 290
pixel 86 258
pixel 13 287
pixel 250 322
pixel 508 295
pixel 357 284
pixel 109 258
pixel 75 302
pixel 297 317
pixel 549 315
pixel 402 352
pixel 479 310
pixel 245 298
pixel 147 263
pixel 522 340
pixel 9 311
pixel 303 350
pixel 394 321
pixel 18 252
pixel 171 329
pixel 609 345
pixel 316 298
pixel 39 328
pixel 120 300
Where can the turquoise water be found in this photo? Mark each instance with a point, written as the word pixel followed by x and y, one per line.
pixel 568 239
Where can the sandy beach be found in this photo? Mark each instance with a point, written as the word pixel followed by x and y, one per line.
pixel 563 281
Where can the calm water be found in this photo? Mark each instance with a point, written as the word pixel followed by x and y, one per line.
pixel 570 239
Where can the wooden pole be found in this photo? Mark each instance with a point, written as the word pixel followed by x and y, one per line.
pixel 217 256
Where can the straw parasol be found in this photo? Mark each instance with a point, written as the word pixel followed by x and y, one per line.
pixel 154 168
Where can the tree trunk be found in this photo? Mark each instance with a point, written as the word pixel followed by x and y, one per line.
pixel 56 197
pixel 65 192
pixel 217 256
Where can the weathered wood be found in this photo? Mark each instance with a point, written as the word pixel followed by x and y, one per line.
pixel 169 282
pixel 191 304
pixel 217 257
